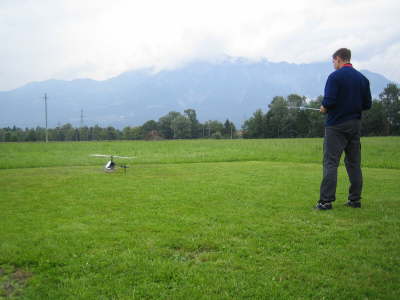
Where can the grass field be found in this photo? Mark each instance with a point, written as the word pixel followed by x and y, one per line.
pixel 201 219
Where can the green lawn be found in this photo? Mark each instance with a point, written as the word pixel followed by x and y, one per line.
pixel 199 219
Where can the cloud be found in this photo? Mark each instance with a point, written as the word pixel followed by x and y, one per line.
pixel 66 39
pixel 385 62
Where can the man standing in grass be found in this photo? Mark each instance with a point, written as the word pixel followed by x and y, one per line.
pixel 347 94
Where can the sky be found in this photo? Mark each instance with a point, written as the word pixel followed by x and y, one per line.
pixel 99 39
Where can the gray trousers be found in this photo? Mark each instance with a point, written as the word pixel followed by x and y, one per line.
pixel 338 138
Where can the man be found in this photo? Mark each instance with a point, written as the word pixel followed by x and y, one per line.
pixel 347 94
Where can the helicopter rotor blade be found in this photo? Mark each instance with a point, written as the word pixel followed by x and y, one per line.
pixel 100 155
pixel 115 156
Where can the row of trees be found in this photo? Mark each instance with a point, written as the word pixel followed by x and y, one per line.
pixel 174 125
pixel 384 116
pixel 281 120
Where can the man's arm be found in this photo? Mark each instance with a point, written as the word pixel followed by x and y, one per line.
pixel 331 92
pixel 367 99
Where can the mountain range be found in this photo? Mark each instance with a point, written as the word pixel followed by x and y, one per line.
pixel 230 89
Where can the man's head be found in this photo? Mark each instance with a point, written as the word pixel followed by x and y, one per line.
pixel 341 57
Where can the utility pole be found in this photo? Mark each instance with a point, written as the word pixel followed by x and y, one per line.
pixel 45 113
pixel 81 118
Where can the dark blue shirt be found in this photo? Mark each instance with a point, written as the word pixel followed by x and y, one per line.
pixel 347 94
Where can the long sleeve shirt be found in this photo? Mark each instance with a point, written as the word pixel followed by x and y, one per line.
pixel 347 94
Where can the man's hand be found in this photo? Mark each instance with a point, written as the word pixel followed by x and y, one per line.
pixel 323 110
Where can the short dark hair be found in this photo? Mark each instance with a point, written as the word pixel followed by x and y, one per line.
pixel 343 53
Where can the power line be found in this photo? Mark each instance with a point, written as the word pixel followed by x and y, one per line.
pixel 81 117
pixel 11 124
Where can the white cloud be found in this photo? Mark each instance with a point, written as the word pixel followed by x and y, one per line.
pixel 385 62
pixel 68 39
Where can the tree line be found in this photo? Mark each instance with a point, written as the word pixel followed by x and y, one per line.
pixel 282 120
pixel 173 125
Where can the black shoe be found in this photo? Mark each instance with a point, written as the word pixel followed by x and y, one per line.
pixel 323 206
pixel 353 204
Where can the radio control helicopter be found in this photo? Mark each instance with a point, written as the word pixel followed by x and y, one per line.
pixel 111 164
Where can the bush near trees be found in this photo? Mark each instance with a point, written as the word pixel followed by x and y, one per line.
pixel 280 121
